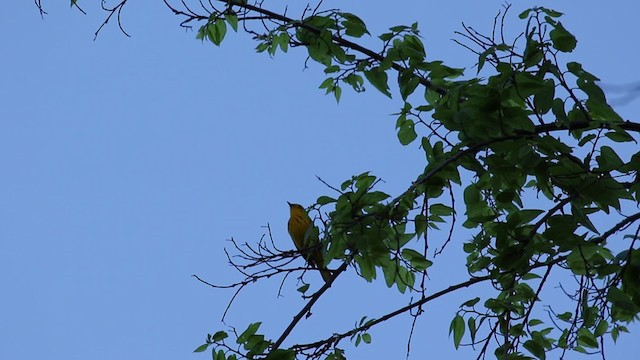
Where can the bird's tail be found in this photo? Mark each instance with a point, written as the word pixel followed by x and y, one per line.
pixel 318 262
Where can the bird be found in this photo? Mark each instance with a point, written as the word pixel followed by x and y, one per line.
pixel 300 229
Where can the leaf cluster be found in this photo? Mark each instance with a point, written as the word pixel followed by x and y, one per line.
pixel 531 127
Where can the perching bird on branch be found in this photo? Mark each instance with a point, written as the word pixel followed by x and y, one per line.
pixel 300 228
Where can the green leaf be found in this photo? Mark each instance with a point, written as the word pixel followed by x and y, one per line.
pixel 303 288
pixel 440 209
pixel 619 136
pixel 470 303
pixel 420 224
pixel 366 337
pixel 413 48
pixel 608 160
pixel 587 339
pixel 321 22
pixel 337 354
pixel 232 20
pixel 407 81
pixel 621 300
pixel 602 328
pixel 218 355
pixel 523 216
pixel 318 45
pixel 552 13
pixel 281 354
pixel 457 327
pixel 576 69
pixel 201 32
pixel 262 47
pixel 327 84
pixel 201 348
pixel 562 39
pixel 523 15
pixel 364 180
pixel 399 28
pixel 535 322
pixel 432 98
pixel 481 264
pixel 389 269
pixel 404 279
pixel 353 25
pixel 472 195
pixel 216 31
pixel 543 100
pixel 331 69
pixel 407 132
pixel 586 139
pixel 614 334
pixel 593 91
pixel 600 110
pixel 367 268
pixel 533 52
pixel 535 348
pixel 579 259
pixel 482 58
pixel 562 341
pixel 337 93
pixel 580 214
pixel 219 336
pixel 355 81
pixel 283 41
pixel 529 84
pixel 559 111
pixel 256 344
pixel 250 331
pixel 324 200
pixel 471 323
pixel 530 276
pixel 221 30
pixel 378 78
pixel 373 197
pixel 417 260
pixel 566 316
pixel 386 36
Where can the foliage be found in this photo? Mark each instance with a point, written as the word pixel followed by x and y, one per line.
pixel 531 127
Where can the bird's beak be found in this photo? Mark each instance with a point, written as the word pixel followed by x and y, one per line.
pixel 289 203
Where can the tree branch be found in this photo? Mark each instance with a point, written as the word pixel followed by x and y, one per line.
pixel 627 125
pixel 337 39
pixel 548 264
pixel 337 337
pixel 308 306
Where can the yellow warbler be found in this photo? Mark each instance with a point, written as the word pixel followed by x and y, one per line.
pixel 300 228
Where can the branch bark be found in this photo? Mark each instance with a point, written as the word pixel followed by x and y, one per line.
pixel 308 306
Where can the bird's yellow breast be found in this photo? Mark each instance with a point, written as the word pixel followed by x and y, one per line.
pixel 299 223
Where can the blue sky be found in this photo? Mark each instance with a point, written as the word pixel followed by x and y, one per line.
pixel 128 162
